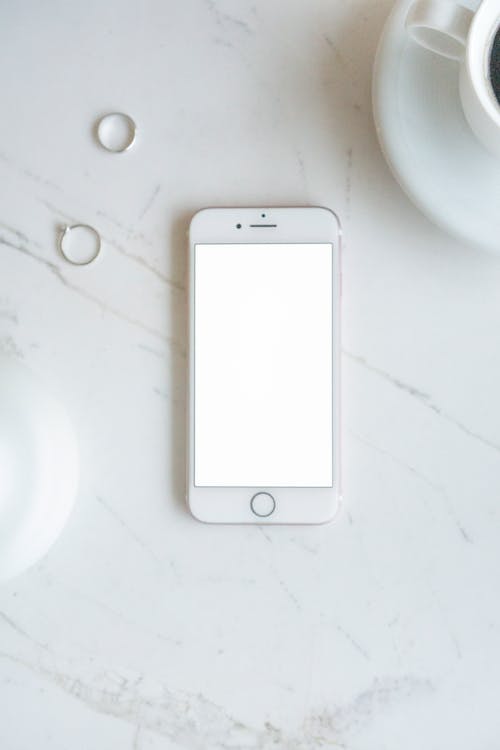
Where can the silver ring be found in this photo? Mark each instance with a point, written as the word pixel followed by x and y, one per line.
pixel 127 143
pixel 66 231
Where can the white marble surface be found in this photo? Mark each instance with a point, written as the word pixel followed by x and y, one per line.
pixel 142 628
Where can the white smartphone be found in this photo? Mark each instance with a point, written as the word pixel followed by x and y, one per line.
pixel 264 373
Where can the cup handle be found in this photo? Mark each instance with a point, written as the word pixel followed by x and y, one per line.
pixel 440 25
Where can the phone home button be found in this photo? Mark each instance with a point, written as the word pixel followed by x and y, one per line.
pixel 262 504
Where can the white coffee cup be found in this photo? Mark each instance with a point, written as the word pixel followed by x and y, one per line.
pixel 456 32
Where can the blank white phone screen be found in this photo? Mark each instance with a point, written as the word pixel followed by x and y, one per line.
pixel 263 365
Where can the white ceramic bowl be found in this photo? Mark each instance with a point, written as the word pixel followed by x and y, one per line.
pixel 38 468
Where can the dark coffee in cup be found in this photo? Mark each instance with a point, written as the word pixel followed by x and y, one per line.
pixel 495 65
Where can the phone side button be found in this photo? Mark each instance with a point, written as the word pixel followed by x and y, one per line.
pixel 263 504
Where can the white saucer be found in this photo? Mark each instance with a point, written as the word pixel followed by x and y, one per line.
pixel 426 140
pixel 38 469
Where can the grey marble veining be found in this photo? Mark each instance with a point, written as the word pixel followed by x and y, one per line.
pixel 141 628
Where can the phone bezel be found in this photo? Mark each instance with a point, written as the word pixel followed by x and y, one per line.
pixel 294 505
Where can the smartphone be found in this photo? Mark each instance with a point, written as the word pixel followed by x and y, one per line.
pixel 264 374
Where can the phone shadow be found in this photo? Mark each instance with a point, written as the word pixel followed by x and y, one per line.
pixel 178 356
